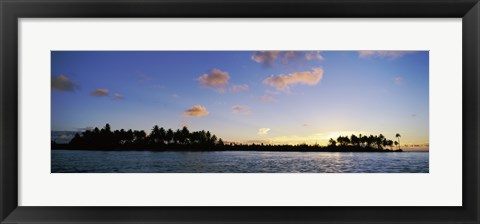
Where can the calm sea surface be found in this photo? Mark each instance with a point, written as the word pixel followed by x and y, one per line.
pixel 79 161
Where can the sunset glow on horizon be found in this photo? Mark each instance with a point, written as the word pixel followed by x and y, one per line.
pixel 270 97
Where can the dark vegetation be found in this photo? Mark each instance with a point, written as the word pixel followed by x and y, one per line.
pixel 182 139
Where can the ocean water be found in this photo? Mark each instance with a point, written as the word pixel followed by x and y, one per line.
pixel 82 161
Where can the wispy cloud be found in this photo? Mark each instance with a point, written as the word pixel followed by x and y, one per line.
pixel 266 58
pixel 239 88
pixel 398 80
pixel 241 109
pixel 291 55
pixel 314 55
pixel 196 111
pixel 142 77
pixel 263 131
pixel 118 96
pixel 270 58
pixel 283 82
pixel 265 98
pixel 215 79
pixel 383 54
pixel 63 83
pixel 175 95
pixel 99 92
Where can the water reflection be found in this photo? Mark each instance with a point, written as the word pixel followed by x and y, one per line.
pixel 79 161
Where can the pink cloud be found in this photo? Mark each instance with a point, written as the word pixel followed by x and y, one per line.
pixel 196 111
pixel 291 55
pixel 63 83
pixel 99 92
pixel 283 82
pixel 216 80
pixel 265 98
pixel 269 58
pixel 241 109
pixel 266 57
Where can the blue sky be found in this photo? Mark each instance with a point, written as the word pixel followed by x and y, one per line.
pixel 245 96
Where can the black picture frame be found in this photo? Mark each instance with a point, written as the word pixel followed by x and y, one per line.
pixel 12 10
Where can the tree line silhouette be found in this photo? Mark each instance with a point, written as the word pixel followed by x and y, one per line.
pixel 372 142
pixel 161 139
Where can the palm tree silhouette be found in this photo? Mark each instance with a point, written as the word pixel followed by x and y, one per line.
pixel 332 142
pixel 155 135
pixel 355 140
pixel 390 143
pixel 398 136
pixel 184 135
pixel 364 140
pixel 169 136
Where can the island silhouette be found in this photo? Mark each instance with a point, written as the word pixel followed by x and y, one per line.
pixel 161 139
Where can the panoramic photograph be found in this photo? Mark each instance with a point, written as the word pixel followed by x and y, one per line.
pixel 266 111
